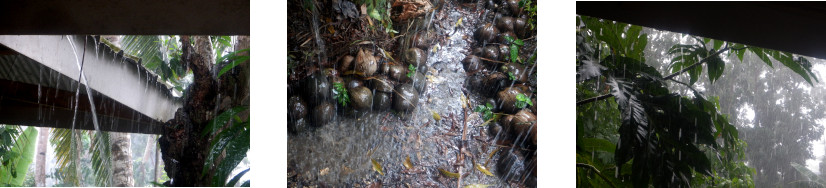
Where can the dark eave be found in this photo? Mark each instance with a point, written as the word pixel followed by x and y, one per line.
pixel 106 17
pixel 796 27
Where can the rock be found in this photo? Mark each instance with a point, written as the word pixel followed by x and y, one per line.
pixel 382 101
pixel 381 84
pixel 491 52
pixel 520 27
pixel 502 37
pixel 384 68
pixel 533 107
pixel 505 52
pixel 515 166
pixel 486 33
pixel 346 9
pixel 346 63
pixel 397 72
pixel 417 57
pixel 518 71
pixel 522 126
pixel 475 82
pixel 351 83
pixel 317 88
pixel 505 23
pixel 472 63
pixel 298 125
pixel 493 82
pixel 366 63
pixel 405 98
pixel 419 82
pixel 507 99
pixel 323 113
pixel 361 98
pixel 297 108
pixel 421 40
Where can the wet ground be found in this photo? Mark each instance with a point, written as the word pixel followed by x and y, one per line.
pixel 340 153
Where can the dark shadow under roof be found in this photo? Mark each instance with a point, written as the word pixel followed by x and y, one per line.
pixel 796 27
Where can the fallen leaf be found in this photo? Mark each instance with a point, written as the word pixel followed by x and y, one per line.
pixel 407 163
pixel 459 22
pixel 464 101
pixel 482 169
pixel 324 171
pixel 377 166
pixel 436 116
pixel 477 186
pixel 449 174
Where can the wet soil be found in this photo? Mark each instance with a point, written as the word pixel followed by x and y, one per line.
pixel 339 153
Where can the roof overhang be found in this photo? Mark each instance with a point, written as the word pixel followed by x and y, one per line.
pixel 796 27
pixel 40 76
pixel 105 17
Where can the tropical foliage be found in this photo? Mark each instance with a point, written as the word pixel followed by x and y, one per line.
pixel 683 139
pixel 20 156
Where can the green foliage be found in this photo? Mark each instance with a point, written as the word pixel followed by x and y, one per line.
pixel 486 111
pixel 411 70
pixel 514 48
pixel 65 142
pixel 235 179
pixel 24 145
pixel 340 94
pixel 7 156
pixel 811 179
pixel 101 150
pixel 648 122
pixel 510 76
pixel 234 59
pixel 622 39
pixel 232 143
pixel 378 9
pixel 522 101
pixel 530 9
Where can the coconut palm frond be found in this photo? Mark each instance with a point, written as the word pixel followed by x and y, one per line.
pixel 65 142
pixel 101 158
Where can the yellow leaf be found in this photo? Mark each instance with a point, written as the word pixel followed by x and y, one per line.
pixel 377 166
pixel 464 101
pixel 407 163
pixel 477 186
pixel 459 22
pixel 448 173
pixel 482 169
pixel 436 116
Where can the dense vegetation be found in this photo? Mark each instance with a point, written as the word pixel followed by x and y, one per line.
pixel 628 111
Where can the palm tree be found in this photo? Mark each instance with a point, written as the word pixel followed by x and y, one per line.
pixel 121 160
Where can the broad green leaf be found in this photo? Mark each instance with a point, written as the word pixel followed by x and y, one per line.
pixel 718 44
pixel 235 179
pixel 759 52
pixel 236 151
pixel 222 119
pixel 596 144
pixel 25 145
pixel 514 50
pixel 716 66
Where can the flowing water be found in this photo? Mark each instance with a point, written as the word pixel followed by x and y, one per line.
pixel 339 153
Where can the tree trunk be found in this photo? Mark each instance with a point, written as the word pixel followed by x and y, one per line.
pixel 40 166
pixel 121 160
pixel 184 150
